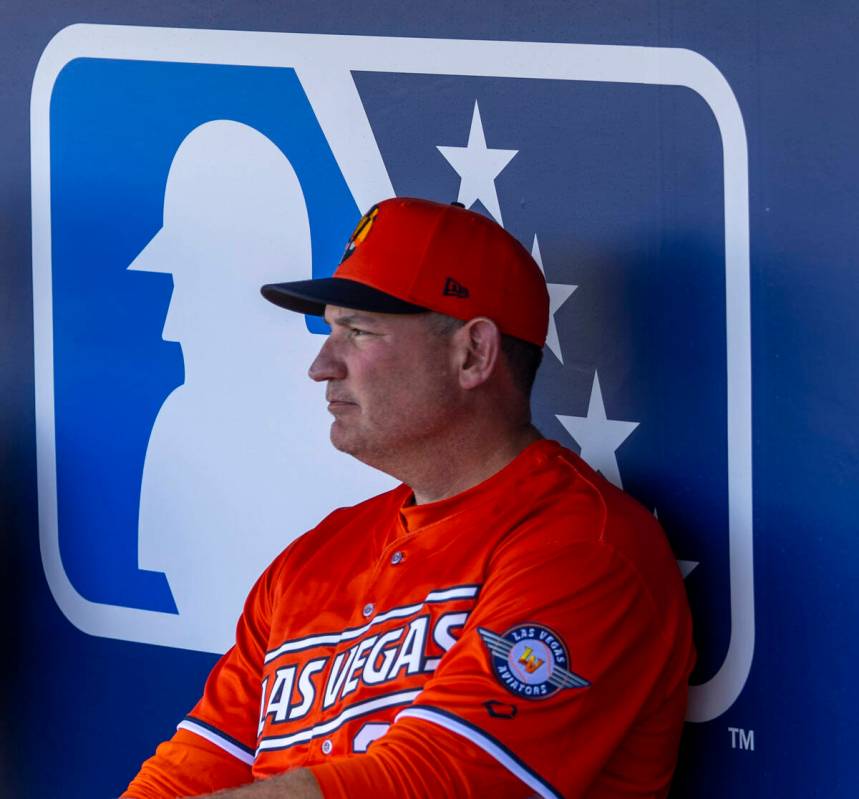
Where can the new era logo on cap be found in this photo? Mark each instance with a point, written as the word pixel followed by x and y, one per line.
pixel 454 289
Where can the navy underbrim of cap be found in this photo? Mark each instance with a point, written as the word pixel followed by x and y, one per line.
pixel 311 297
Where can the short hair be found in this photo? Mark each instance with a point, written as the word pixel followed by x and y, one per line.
pixel 523 357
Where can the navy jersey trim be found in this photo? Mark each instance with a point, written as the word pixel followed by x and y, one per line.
pixel 492 746
pixel 218 737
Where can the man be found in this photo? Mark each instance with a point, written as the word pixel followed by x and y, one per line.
pixel 504 623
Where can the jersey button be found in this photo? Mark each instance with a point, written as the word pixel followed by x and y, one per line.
pixel 368 609
pixel 327 746
pixel 396 558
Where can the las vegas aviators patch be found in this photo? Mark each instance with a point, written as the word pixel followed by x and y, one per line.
pixel 531 661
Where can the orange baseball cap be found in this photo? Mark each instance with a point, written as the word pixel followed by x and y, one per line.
pixel 409 255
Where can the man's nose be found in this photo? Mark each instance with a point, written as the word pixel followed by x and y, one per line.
pixel 326 365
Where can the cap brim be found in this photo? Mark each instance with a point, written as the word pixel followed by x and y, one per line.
pixel 311 297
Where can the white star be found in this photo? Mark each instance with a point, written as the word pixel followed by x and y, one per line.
pixel 478 166
pixel 559 293
pixel 686 566
pixel 598 436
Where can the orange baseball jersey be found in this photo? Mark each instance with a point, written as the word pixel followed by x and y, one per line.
pixel 528 636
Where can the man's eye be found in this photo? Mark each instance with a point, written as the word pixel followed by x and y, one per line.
pixel 356 331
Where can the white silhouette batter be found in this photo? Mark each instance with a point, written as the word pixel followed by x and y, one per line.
pixel 238 463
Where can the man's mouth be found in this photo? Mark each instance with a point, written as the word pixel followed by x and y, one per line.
pixel 339 402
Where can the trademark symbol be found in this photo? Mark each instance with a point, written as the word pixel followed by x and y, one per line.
pixel 742 739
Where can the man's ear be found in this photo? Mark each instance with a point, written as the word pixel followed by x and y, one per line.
pixel 478 345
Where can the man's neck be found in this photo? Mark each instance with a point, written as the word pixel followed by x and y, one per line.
pixel 453 469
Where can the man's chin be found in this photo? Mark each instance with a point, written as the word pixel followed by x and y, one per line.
pixel 348 442
pixel 341 439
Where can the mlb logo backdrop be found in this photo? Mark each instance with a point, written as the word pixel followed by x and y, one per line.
pixel 228 160
pixel 179 443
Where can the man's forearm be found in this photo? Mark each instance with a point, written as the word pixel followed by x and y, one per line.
pixel 297 784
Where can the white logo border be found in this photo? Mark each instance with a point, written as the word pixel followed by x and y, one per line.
pixel 324 64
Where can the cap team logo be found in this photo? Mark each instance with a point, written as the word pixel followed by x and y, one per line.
pixel 531 661
pixel 361 231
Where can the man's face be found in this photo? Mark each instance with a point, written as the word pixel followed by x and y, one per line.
pixel 391 383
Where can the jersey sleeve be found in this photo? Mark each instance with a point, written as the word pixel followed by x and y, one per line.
pixel 567 676
pixel 186 765
pixel 213 747
pixel 412 761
